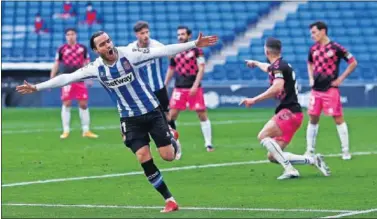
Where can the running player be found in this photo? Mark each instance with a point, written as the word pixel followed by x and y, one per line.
pixel 188 67
pixel 117 69
pixel 70 57
pixel 278 132
pixel 323 69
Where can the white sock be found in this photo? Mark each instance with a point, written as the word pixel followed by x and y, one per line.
pixel 170 199
pixel 343 136
pixel 298 159
pixel 272 146
pixel 207 132
pixel 66 118
pixel 85 119
pixel 311 136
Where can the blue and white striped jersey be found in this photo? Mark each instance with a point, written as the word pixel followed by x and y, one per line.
pixel 125 82
pixel 155 75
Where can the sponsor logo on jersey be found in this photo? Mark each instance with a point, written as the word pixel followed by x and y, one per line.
pixel 190 54
pixel 128 78
pixel 330 53
pixel 143 50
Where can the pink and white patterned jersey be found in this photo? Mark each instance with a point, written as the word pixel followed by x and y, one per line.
pixel 326 60
pixel 71 58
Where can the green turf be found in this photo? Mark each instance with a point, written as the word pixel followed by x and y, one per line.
pixel 33 151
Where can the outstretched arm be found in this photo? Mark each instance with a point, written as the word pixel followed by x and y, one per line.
pixel 261 65
pixel 143 55
pixel 59 81
pixel 276 88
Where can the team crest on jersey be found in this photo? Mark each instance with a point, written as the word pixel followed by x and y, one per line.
pixel 316 53
pixel 190 54
pixel 126 65
pixel 80 49
pixel 330 53
pixel 102 73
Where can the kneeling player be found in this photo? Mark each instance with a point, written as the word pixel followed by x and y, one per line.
pixel 278 132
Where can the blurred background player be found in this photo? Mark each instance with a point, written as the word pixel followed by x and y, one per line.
pixel 69 58
pixel 279 131
pixel 188 67
pixel 323 69
pixel 153 69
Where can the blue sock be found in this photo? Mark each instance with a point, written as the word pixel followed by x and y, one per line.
pixel 155 178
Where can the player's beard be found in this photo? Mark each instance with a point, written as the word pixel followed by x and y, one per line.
pixel 183 40
pixel 110 55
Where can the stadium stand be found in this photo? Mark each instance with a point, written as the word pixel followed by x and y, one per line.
pixel 22 44
pixel 352 24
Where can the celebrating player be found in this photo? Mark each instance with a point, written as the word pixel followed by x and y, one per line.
pixel 323 69
pixel 118 71
pixel 278 132
pixel 189 69
pixel 70 57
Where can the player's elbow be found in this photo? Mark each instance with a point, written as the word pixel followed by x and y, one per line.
pixel 354 63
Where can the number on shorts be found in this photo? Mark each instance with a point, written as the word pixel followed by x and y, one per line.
pixel 123 127
pixel 67 88
pixel 177 95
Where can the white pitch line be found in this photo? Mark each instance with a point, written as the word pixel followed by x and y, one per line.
pixel 351 213
pixel 225 122
pixel 163 170
pixel 183 208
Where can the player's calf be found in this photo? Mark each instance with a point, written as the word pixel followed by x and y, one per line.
pixel 154 176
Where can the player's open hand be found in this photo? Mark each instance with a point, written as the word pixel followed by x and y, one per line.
pixel 248 102
pixel 26 88
pixel 337 82
pixel 251 63
pixel 205 41
pixel 193 91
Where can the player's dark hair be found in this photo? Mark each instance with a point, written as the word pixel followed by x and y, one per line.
pixel 320 25
pixel 274 45
pixel 96 34
pixel 188 31
pixel 140 25
pixel 70 29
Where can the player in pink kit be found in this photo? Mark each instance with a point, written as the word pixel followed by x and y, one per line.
pixel 69 58
pixel 323 69
pixel 279 131
pixel 188 67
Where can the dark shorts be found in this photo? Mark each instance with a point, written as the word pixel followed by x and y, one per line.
pixel 137 130
pixel 162 96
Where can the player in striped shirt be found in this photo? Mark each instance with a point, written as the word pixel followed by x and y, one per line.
pixel 153 69
pixel 118 71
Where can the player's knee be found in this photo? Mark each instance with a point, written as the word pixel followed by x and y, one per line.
pixel 167 155
pixel 314 119
pixel 339 120
pixel 261 136
pixel 83 106
pixel 67 103
pixel 271 158
pixel 173 116
pixel 202 116
pixel 143 154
